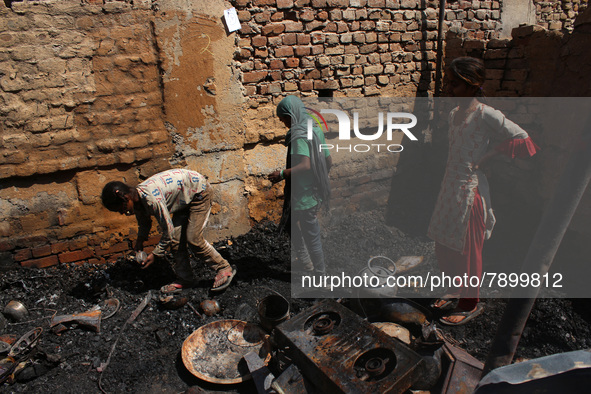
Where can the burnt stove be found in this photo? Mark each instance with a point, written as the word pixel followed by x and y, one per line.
pixel 338 351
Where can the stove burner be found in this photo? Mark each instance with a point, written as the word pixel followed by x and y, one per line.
pixel 322 323
pixel 375 366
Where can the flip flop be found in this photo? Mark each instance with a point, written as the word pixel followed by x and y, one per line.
pixel 469 315
pixel 229 277
pixel 171 288
pixel 449 303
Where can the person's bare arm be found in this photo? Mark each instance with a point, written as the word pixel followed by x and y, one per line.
pixel 303 165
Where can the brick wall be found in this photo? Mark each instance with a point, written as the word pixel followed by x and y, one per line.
pixel 94 91
pixel 558 15
pixel 352 48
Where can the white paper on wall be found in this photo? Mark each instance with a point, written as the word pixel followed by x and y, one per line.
pixel 231 18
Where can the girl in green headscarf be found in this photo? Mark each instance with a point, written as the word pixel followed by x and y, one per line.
pixel 307 186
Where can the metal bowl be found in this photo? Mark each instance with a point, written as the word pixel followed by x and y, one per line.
pixel 210 307
pixel 215 351
pixel 16 311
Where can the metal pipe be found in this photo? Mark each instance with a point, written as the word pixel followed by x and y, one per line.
pixel 552 227
pixel 439 64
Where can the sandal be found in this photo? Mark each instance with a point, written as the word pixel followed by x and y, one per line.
pixel 224 273
pixel 445 303
pixel 467 316
pixel 171 288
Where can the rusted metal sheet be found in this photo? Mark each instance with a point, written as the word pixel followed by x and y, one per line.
pixel 568 372
pixel 463 372
pixel 291 381
pixel 341 353
pixel 91 319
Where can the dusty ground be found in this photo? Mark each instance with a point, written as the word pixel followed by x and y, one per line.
pixel 147 356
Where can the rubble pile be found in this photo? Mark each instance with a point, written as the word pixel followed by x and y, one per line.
pixel 76 338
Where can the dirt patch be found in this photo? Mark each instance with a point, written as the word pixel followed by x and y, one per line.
pixel 147 357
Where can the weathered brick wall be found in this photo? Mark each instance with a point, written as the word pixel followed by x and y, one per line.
pixel 559 15
pixel 358 48
pixel 98 91
pixel 80 97
pixel 94 91
pixel 353 48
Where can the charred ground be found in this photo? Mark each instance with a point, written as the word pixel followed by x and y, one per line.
pixel 147 356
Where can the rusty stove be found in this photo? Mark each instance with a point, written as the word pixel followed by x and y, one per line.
pixel 340 352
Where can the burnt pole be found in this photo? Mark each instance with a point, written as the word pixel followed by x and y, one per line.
pixel 543 248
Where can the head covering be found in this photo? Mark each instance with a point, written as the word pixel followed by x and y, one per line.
pixel 293 107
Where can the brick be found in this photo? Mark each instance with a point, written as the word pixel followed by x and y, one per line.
pixel 41 251
pixel 284 51
pixel 371 38
pixel 273 29
pixel 318 3
pixel 41 263
pixel 289 39
pixel 337 3
pixel 261 52
pixel 303 39
pixel 330 27
pixel 275 41
pixel 277 16
pixel 302 50
pixel 244 16
pixel 291 26
pixel 281 4
pixel 330 84
pixel 254 76
pixel 336 15
pixel 314 25
pixel 290 86
pixel 22 254
pixel 368 48
pixel 317 49
pixel 307 62
pixel 259 41
pixel 292 62
pixel 261 3
pixel 307 15
pixel 276 64
pixel 496 53
pixel 78 255
pixel 337 50
pixel 349 15
pixel 323 61
pixel 275 75
pixel 118 247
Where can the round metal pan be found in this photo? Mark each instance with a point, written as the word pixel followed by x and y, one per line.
pixel 215 351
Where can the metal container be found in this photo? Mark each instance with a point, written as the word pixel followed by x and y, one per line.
pixel 16 311
pixel 273 309
pixel 210 307
pixel 378 270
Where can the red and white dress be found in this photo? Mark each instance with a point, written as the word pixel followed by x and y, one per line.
pixel 463 216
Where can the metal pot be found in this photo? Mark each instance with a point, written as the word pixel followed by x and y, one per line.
pixel 378 270
pixel 16 311
pixel 210 307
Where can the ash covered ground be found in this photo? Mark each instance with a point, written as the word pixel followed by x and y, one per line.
pixel 147 357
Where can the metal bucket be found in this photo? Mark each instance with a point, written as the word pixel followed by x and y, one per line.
pixel 273 309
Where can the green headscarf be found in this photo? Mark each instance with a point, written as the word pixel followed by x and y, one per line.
pixel 293 107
